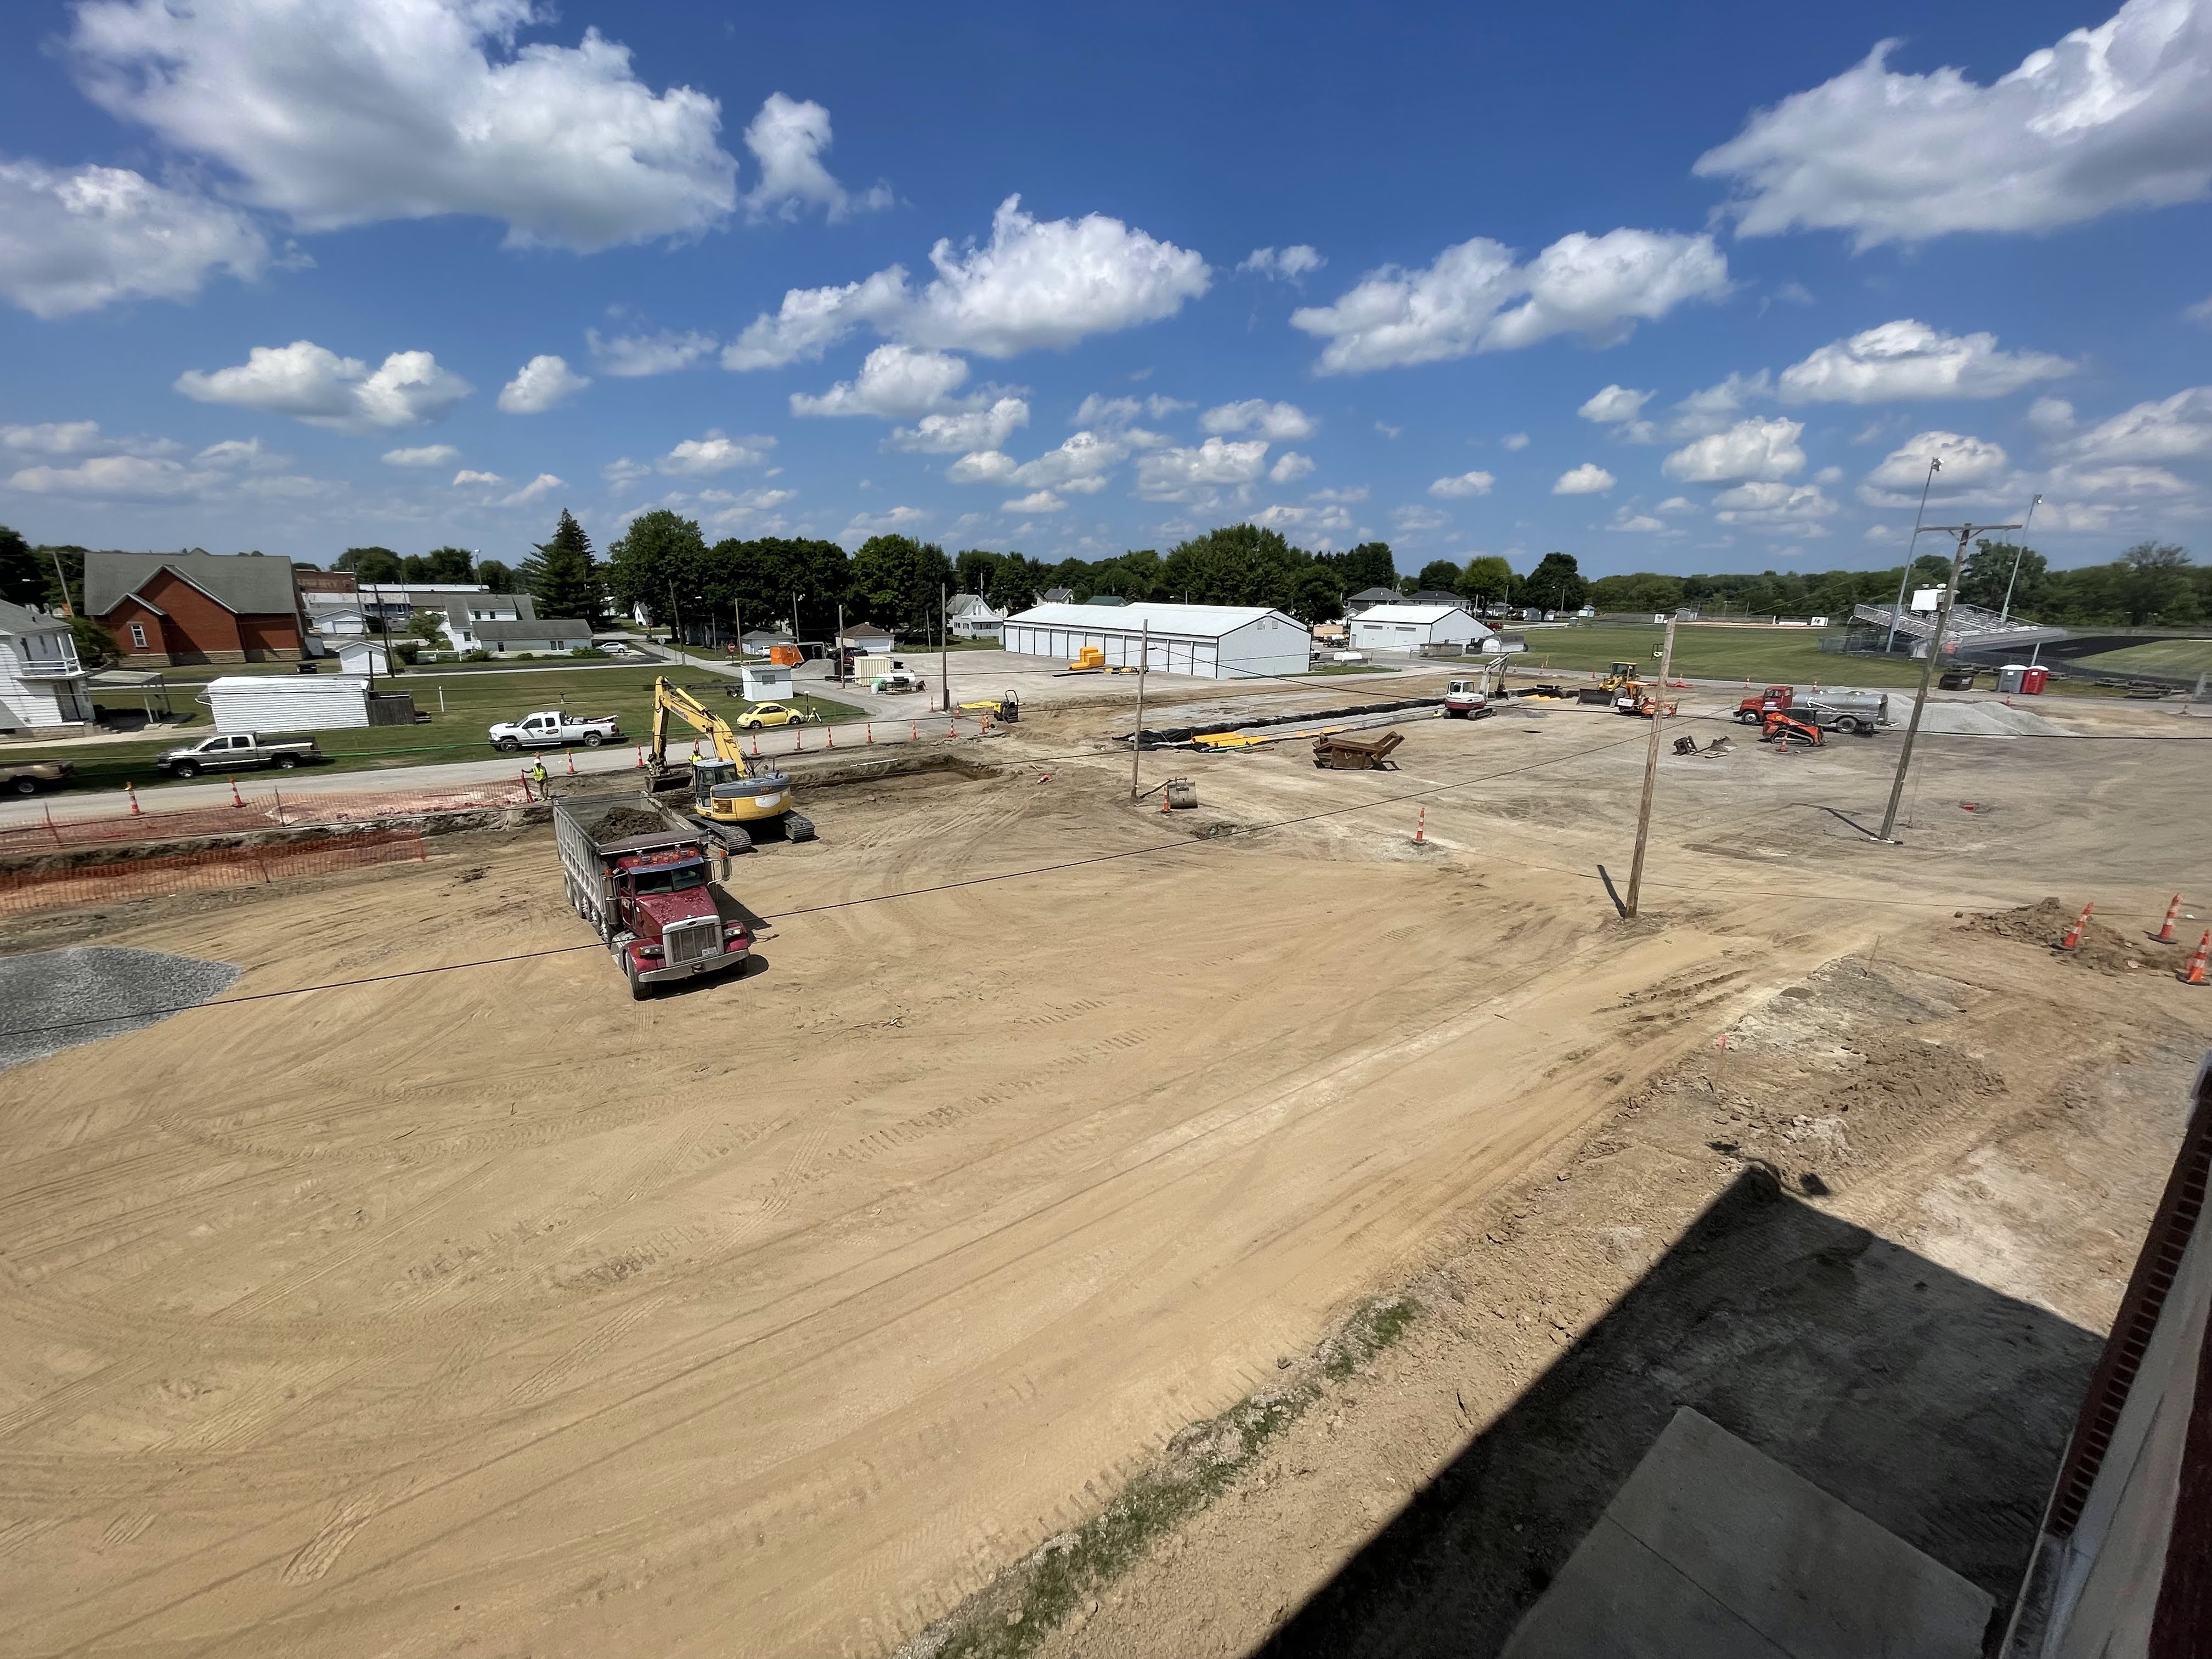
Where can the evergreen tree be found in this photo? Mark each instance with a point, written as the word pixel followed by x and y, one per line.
pixel 562 577
pixel 20 580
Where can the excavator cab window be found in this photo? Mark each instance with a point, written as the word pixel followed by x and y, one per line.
pixel 705 774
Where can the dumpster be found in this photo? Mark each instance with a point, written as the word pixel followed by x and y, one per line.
pixel 2010 676
pixel 2033 680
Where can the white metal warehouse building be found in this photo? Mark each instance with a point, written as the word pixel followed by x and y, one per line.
pixel 1212 641
pixel 1414 627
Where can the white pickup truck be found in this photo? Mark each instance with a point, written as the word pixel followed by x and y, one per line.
pixel 555 728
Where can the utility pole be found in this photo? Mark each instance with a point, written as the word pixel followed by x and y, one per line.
pixel 1650 776
pixel 1137 738
pixel 1935 465
pixel 794 624
pixel 68 610
pixel 1928 666
pixel 837 644
pixel 944 652
pixel 2005 615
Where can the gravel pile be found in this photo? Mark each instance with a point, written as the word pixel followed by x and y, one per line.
pixel 55 999
pixel 1974 720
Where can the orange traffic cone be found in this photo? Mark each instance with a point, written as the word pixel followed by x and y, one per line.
pixel 640 757
pixel 132 791
pixel 236 799
pixel 2073 939
pixel 2165 934
pixel 914 731
pixel 2194 973
pixel 1421 828
pixel 872 731
pixel 832 731
pixel 569 755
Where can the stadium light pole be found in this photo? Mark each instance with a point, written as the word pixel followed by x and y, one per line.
pixel 1935 465
pixel 2005 615
pixel 1928 666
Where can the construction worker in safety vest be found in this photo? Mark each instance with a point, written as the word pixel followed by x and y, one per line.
pixel 538 777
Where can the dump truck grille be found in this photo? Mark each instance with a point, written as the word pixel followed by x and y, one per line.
pixel 693 940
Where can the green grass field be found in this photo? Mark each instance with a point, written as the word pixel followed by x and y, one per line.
pixel 2182 657
pixel 1780 656
pixel 472 701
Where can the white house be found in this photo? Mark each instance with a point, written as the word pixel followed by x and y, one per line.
pixel 972 616
pixel 1415 628
pixel 1212 641
pixel 42 684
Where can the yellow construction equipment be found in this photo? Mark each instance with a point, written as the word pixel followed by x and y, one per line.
pixel 730 799
pixel 1090 658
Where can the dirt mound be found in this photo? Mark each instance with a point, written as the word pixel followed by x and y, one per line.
pixel 2102 948
pixel 625 822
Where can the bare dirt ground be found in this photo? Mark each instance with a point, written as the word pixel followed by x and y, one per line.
pixel 486 1312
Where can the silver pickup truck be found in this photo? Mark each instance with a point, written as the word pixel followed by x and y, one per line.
pixel 230 751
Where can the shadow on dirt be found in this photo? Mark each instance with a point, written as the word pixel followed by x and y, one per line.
pixel 1931 1404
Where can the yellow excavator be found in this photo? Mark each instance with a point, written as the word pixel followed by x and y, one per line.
pixel 731 799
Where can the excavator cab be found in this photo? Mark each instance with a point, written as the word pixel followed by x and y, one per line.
pixel 705 774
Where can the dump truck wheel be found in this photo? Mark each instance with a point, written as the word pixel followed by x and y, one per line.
pixel 639 990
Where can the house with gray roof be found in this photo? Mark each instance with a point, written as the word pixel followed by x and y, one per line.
pixel 42 683
pixel 166 609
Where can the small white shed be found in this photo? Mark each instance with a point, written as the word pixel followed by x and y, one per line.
pixel 286 703
pixel 767 682
pixel 364 657
pixel 1212 641
pixel 1415 628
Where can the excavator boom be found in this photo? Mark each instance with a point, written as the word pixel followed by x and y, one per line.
pixel 730 792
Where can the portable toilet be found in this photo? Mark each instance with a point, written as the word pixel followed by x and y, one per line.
pixel 2033 680
pixel 2010 676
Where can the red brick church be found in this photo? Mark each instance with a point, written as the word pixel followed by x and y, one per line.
pixel 168 609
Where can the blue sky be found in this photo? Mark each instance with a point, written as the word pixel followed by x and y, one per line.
pixel 1689 289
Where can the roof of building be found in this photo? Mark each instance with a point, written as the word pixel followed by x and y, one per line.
pixel 544 627
pixel 971 604
pixel 1419 615
pixel 19 619
pixel 1201 621
pixel 522 605
pixel 248 584
pixel 1057 596
pixel 1436 596
pixel 1106 598
pixel 1374 596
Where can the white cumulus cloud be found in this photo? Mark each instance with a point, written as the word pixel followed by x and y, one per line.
pixel 542 383
pixel 629 356
pixel 80 438
pixel 788 137
pixel 1909 360
pixel 345 112
pixel 76 240
pixel 1279 423
pixel 2172 428
pixel 896 382
pixel 2112 117
pixel 1597 287
pixel 700 458
pixel 1968 463
pixel 1514 440
pixel 1466 484
pixel 1290 466
pixel 1042 501
pixel 1749 449
pixel 967 429
pixel 1035 284
pixel 538 488
pixel 1180 474
pixel 1767 505
pixel 1285 265
pixel 1588 479
pixel 424 455
pixel 319 386
pixel 1613 405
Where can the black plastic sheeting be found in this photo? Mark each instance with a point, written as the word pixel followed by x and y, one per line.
pixel 1173 736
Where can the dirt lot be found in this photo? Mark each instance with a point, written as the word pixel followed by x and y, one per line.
pixel 485 1310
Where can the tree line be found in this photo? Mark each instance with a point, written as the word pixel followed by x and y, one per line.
pixel 2152 584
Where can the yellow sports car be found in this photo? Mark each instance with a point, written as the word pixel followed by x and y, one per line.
pixel 768 713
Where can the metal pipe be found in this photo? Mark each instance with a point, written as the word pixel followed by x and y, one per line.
pixel 1651 777
pixel 2005 615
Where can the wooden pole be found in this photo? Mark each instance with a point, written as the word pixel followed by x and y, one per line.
pixel 1137 738
pixel 944 652
pixel 1928 671
pixel 1650 776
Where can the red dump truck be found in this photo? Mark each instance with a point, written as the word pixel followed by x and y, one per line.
pixel 638 873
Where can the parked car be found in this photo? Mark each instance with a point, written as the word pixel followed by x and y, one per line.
pixel 616 648
pixel 28 777
pixel 553 727
pixel 234 752
pixel 770 713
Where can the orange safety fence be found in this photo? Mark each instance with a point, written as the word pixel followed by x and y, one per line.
pixel 194 872
pixel 269 810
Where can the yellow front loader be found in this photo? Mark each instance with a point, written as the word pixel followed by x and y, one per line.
pixel 731 799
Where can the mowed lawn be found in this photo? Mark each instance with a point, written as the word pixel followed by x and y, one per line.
pixel 1780 656
pixel 2177 657
pixel 471 701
